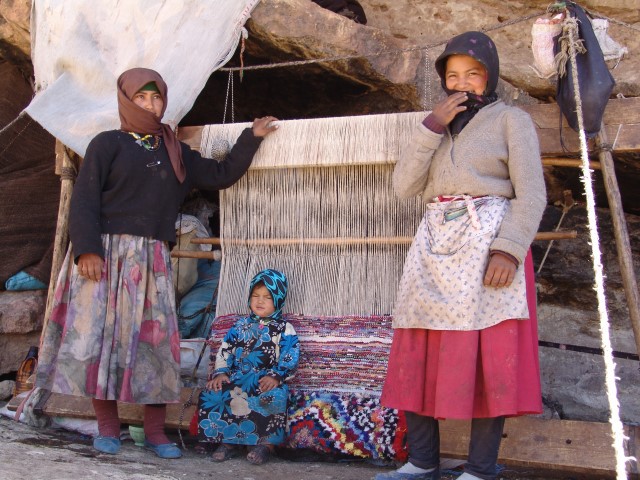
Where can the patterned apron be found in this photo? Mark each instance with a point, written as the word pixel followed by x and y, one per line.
pixel 441 286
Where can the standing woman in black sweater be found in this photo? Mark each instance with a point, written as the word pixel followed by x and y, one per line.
pixel 113 333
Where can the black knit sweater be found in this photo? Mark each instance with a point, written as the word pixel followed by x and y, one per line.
pixel 122 188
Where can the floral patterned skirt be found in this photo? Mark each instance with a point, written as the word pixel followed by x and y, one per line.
pixel 115 339
pixel 243 417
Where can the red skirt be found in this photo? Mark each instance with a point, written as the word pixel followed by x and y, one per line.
pixel 468 374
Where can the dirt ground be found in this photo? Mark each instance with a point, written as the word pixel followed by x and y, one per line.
pixel 28 453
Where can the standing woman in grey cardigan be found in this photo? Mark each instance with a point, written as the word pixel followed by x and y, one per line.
pixel 113 333
pixel 465 343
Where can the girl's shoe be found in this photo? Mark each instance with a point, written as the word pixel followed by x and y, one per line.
pixel 110 445
pixel 165 450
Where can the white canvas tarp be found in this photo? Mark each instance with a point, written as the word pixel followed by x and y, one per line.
pixel 80 47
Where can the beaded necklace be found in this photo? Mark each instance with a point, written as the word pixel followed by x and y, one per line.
pixel 144 141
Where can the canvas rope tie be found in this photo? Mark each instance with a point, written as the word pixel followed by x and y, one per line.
pixel 219 147
pixel 619 437
pixel 10 124
pixel 337 58
pixel 68 173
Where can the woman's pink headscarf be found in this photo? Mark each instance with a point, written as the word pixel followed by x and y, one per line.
pixel 136 119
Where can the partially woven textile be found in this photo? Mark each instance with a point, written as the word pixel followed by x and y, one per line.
pixel 334 405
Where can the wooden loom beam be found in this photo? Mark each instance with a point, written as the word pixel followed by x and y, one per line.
pixel 621 119
pixel 349 240
pixel 215 254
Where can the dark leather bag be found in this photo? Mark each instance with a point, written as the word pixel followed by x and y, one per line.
pixel 595 80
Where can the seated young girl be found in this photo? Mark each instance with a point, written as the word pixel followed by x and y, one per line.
pixel 245 403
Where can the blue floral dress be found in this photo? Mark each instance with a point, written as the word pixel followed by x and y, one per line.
pixel 254 347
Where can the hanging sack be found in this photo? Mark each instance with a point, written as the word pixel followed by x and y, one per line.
pixel 544 33
pixel 594 78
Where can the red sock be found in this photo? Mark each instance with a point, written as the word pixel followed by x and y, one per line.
pixel 154 418
pixel 107 416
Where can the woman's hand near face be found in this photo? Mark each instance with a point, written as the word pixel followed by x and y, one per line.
pixel 263 127
pixel 90 266
pixel 448 108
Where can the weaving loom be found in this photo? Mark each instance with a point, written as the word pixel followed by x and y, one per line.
pixel 317 204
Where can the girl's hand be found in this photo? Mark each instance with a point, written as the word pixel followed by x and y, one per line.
pixel 267 383
pixel 90 266
pixel 218 381
pixel 500 271
pixel 448 108
pixel 262 126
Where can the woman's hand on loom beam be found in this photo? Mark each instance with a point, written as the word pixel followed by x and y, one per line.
pixel 500 271
pixel 263 126
pixel 90 266
pixel 217 382
pixel 447 109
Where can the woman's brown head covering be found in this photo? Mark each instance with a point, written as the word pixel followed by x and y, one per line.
pixel 134 118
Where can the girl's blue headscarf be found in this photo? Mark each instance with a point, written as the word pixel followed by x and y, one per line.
pixel 276 283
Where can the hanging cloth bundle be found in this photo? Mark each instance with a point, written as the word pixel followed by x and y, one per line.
pixel 596 82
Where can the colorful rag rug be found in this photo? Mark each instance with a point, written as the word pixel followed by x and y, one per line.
pixel 334 401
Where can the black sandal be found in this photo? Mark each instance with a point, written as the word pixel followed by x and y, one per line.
pixel 224 452
pixel 259 455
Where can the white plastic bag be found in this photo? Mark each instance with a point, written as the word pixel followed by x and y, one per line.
pixel 189 354
pixel 611 50
pixel 543 33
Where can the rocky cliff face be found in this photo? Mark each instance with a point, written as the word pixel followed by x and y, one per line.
pixel 384 72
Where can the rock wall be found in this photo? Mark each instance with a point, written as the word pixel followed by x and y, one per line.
pixel 573 381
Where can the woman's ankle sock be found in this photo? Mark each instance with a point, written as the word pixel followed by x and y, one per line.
pixel 154 418
pixel 107 416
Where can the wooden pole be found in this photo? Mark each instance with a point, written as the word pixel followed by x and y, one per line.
pixel 341 241
pixel 567 162
pixel 67 169
pixel 621 234
pixel 210 255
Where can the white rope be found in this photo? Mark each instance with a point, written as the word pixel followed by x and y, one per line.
pixel 610 375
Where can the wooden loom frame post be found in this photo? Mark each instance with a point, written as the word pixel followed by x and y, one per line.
pixel 66 167
pixel 621 234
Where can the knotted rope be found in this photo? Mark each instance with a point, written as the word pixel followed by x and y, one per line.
pixel 571 33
